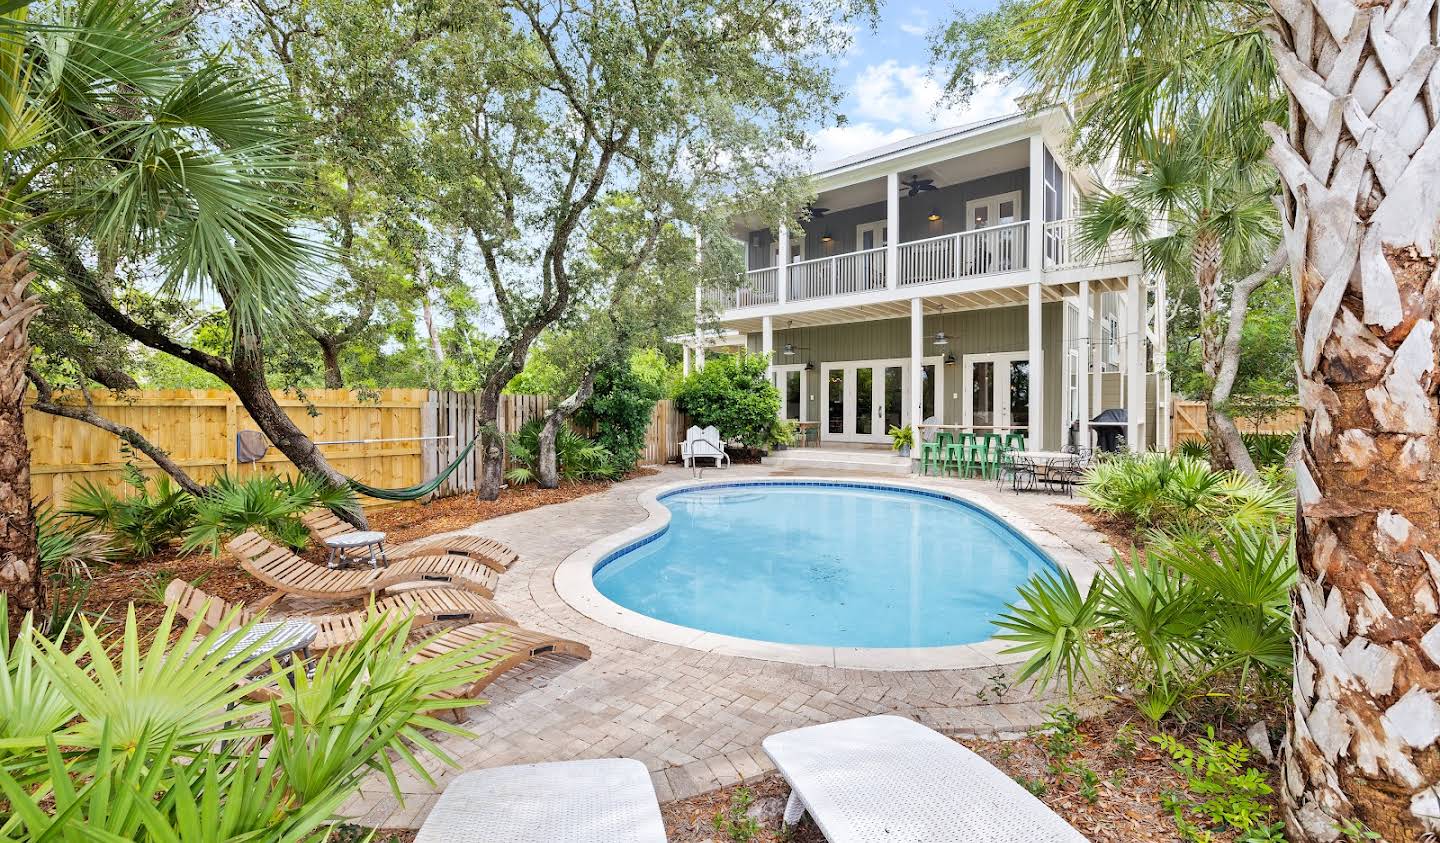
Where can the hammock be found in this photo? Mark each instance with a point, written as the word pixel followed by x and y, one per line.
pixel 411 493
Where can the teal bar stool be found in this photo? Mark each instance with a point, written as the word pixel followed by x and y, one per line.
pixel 931 454
pixel 961 452
pixel 1014 441
pixel 945 441
pixel 975 453
pixel 993 447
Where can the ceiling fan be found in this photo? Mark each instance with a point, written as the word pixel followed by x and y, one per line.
pixel 789 349
pixel 918 185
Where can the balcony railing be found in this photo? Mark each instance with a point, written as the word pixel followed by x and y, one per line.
pixel 853 272
pixel 965 254
pixel 1063 249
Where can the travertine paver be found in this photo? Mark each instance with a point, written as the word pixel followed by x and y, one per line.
pixel 695 719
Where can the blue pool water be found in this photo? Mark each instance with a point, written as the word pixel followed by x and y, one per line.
pixel 841 566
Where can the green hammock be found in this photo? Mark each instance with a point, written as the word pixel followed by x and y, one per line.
pixel 411 493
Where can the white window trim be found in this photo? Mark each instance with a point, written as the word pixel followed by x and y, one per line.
pixel 994 203
pixel 780 378
pixel 878 226
pixel 967 382
pixel 797 244
pixel 937 361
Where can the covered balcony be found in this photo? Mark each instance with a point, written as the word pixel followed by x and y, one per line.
pixel 968 217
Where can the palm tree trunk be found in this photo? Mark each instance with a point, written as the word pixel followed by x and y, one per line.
pixel 1361 167
pixel 20 575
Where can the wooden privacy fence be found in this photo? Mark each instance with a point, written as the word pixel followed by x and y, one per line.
pixel 1188 422
pixel 391 438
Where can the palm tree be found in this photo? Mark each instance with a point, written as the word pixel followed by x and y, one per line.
pixel 115 128
pixel 1205 218
pixel 1359 166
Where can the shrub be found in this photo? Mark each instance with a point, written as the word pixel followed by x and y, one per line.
pixel 267 503
pixel 576 457
pixel 67 547
pixel 166 742
pixel 619 411
pixel 1267 449
pixel 1171 492
pixel 139 523
pixel 1223 794
pixel 1196 617
pixel 733 394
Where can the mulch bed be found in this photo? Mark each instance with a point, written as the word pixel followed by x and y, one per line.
pixel 142 582
pixel 1120 532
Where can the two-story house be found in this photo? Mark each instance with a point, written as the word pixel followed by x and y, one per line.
pixel 939 279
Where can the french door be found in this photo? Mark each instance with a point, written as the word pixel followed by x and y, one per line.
pixel 863 399
pixel 996 391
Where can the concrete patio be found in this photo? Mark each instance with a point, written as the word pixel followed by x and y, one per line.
pixel 694 718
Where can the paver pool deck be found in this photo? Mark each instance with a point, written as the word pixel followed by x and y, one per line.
pixel 695 719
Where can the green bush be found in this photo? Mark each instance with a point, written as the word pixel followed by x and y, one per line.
pixel 576 457
pixel 67 547
pixel 733 394
pixel 1267 449
pixel 1169 492
pixel 1222 793
pixel 1201 617
pixel 266 503
pixel 619 412
pixel 165 741
pixel 140 522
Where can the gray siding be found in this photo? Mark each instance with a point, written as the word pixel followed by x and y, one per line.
pixel 970 332
pixel 914 217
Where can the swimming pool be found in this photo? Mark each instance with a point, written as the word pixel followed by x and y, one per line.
pixel 830 564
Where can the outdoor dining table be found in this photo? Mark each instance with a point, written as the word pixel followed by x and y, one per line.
pixel 1041 462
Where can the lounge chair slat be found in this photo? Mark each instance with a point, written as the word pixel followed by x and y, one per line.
pixel 280 569
pixel 324 524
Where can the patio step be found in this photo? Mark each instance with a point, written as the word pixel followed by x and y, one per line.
pixel 835 459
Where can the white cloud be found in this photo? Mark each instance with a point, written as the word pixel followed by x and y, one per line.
pixel 916 29
pixel 835 142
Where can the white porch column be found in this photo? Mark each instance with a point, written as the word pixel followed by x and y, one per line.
pixel 1134 332
pixel 1082 369
pixel 1162 367
pixel 1035 436
pixel 782 263
pixel 892 230
pixel 767 345
pixel 685 360
pixel 917 363
pixel 1035 202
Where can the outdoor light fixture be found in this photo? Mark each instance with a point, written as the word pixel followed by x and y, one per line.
pixel 934 215
pixel 809 367
pixel 949 358
pixel 826 237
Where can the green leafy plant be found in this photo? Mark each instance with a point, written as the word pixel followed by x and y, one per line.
pixel 267 503
pixel 734 822
pixel 1223 794
pixel 154 513
pixel 1197 617
pixel 1268 449
pixel 177 740
pixel 68 548
pixel 1194 449
pixel 576 457
pixel 901 437
pixel 619 412
pixel 1170 492
pixel 1353 829
pixel 732 393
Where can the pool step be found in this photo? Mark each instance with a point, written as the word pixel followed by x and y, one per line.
pixel 835 459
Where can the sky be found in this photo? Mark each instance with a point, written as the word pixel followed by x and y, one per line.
pixel 891 92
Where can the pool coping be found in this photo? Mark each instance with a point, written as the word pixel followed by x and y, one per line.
pixel 574 582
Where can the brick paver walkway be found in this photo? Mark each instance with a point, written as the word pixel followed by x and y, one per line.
pixel 695 719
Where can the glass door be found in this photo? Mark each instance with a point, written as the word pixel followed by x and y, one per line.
pixel 997 392
pixel 865 398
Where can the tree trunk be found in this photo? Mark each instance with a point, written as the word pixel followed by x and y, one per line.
pixel 248 381
pixel 330 354
pixel 548 469
pixel 492 445
pixel 20 575
pixel 1227 451
pixel 436 350
pixel 1232 453
pixel 1361 167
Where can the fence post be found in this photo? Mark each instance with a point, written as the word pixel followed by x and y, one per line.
pixel 232 430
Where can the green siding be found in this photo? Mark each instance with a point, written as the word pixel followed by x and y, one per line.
pixel 970 332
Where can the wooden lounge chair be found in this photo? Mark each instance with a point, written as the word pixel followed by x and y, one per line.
pixel 426 605
pixel 889 778
pixel 323 524
pixel 512 646
pixel 595 800
pixel 282 570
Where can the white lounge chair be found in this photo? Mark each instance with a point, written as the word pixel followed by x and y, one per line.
pixel 888 778
pixel 702 444
pixel 602 800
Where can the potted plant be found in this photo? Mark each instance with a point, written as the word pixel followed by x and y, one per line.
pixel 902 439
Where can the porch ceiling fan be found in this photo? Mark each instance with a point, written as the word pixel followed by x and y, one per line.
pixel 789 349
pixel 918 185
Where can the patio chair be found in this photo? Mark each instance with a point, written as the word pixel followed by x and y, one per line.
pixel 425 605
pixel 702 444
pixel 931 453
pixel 282 570
pixel 889 778
pixel 324 524
pixel 512 646
pixel 1065 474
pixel 595 800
